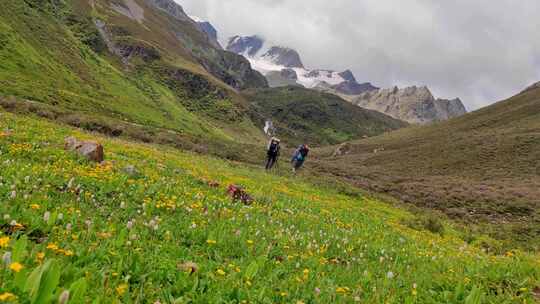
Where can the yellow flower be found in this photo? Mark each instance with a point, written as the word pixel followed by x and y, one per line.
pixel 7 296
pixel 40 256
pixel 68 253
pixel 300 302
pixel 221 272
pixel 16 267
pixel 35 206
pixel 250 242
pixel 342 290
pixel 52 246
pixel 121 289
pixel 283 294
pixel 211 242
pixel 4 242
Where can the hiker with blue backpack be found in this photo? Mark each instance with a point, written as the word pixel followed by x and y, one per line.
pixel 273 151
pixel 299 157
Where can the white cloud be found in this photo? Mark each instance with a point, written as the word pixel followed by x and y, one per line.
pixel 480 50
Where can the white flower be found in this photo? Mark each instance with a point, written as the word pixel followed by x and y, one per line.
pixel 123 205
pixel 88 223
pixel 60 216
pixel 6 217
pixel 13 194
pixel 13 223
pixel 6 258
pixel 68 227
pixel 390 275
pixel 70 183
pixel 129 225
pixel 46 216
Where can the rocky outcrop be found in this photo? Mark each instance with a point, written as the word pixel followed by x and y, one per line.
pixel 413 104
pixel 211 32
pixel 283 78
pixel 171 8
pixel 249 45
pixel 353 88
pixel 89 149
pixel 283 56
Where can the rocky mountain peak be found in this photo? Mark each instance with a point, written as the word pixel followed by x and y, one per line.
pixel 348 75
pixel 412 104
pixel 247 45
pixel 284 56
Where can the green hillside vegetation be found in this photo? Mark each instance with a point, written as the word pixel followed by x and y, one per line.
pixel 157 78
pixel 307 116
pixel 482 168
pixel 168 232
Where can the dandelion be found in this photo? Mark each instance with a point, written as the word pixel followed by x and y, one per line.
pixel 250 242
pixel 4 241
pixel 342 290
pixel 121 289
pixel 64 297
pixel 6 258
pixel 16 267
pixel 7 296
pixel 211 242
pixel 40 256
pixel 35 206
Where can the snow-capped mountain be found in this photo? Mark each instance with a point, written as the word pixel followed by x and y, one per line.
pixel 283 66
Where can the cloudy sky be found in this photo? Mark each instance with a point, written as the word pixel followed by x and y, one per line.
pixel 479 50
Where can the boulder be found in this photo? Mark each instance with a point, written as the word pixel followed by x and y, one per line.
pixel 89 149
pixel 343 149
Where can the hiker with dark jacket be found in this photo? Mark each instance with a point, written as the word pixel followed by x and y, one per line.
pixel 272 153
pixel 299 157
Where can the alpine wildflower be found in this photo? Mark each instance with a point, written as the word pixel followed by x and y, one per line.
pixel 6 258
pixel 4 242
pixel 64 297
pixel 7 296
pixel 16 267
pixel 121 289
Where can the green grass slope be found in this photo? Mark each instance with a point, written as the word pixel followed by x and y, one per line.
pixel 308 116
pixel 108 236
pixel 482 168
pixel 55 55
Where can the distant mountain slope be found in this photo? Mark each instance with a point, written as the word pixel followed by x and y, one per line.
pixel 412 104
pixel 307 116
pixel 483 167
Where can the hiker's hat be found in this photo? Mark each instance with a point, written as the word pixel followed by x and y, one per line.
pixel 276 139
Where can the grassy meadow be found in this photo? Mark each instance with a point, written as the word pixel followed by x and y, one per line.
pixel 167 232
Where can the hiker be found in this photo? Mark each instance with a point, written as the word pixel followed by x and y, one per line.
pixel 299 157
pixel 272 153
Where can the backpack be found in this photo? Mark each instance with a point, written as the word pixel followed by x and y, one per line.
pixel 274 148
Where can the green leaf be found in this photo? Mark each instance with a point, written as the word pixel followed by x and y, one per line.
pixel 251 270
pixel 34 280
pixel 19 249
pixel 49 282
pixel 475 297
pixel 78 291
